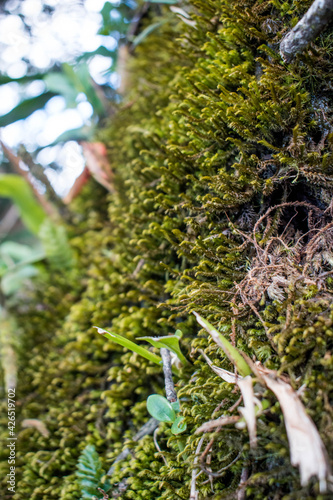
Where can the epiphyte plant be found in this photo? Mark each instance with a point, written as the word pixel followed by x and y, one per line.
pixel 158 406
pixel 170 342
pixel 164 411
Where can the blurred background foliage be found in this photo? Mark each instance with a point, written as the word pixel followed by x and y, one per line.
pixel 70 72
pixel 32 215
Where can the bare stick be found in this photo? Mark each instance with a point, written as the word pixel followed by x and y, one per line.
pixel 241 490
pixel 168 380
pixel 194 494
pixel 146 429
pixel 157 446
pixel 312 23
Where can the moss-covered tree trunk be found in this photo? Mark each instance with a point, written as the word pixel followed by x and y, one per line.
pixel 222 156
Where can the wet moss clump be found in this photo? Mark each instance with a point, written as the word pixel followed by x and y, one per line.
pixel 222 156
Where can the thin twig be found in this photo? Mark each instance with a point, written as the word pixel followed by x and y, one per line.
pixel 15 161
pixel 306 30
pixel 235 405
pixel 168 380
pixel 243 479
pixel 194 494
pixel 219 472
pixel 157 446
pixel 146 429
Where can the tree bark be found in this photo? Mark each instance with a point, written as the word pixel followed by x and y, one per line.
pixel 312 23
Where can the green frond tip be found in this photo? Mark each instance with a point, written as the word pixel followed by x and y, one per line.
pixel 231 352
pixel 134 347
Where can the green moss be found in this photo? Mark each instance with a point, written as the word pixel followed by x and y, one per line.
pixel 213 131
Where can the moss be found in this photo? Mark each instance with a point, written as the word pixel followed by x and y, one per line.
pixel 214 131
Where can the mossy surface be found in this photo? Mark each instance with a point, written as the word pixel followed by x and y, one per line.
pixel 214 131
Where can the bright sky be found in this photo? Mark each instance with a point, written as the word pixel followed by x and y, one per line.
pixel 71 30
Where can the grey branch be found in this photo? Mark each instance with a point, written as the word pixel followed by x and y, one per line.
pixel 312 23
pixel 146 429
pixel 168 380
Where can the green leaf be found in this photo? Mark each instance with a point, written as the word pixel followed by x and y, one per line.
pixel 60 84
pixel 84 83
pixel 176 406
pixel 152 27
pixel 232 353
pixel 170 342
pixel 56 246
pixel 12 281
pixel 169 2
pixel 4 79
pixel 15 187
pixel 160 408
pixel 26 108
pixel 100 51
pixel 84 133
pixel 18 252
pixel 179 425
pixel 134 347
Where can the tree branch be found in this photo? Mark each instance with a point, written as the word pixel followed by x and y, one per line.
pixel 312 23
pixel 168 380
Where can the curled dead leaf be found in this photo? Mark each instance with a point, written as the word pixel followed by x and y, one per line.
pixel 75 190
pixel 98 164
pixel 37 424
pixel 230 377
pixel 306 447
pixel 248 412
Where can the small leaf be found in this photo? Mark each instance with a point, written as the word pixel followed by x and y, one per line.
pixel 134 347
pixel 15 187
pixel 160 408
pixel 60 84
pixel 12 281
pixel 179 425
pixel 19 253
pixel 170 342
pixel 179 334
pixel 231 352
pixel 130 345
pixel 176 406
pixel 152 27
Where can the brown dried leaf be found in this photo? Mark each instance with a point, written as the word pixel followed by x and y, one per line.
pixel 246 387
pixel 230 377
pixel 306 447
pixel 37 424
pixel 98 164
pixel 75 190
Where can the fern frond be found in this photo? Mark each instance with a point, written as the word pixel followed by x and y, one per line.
pixel 56 246
pixel 89 472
